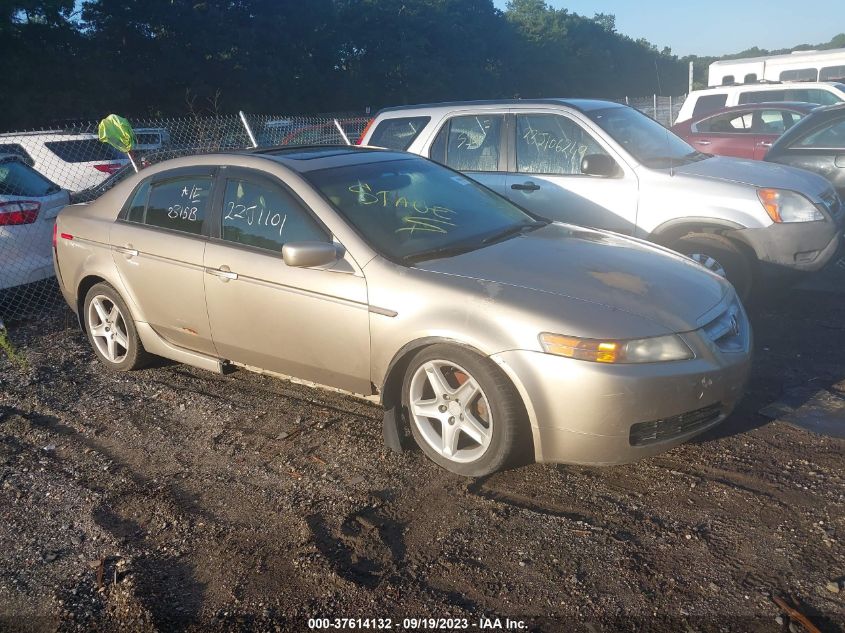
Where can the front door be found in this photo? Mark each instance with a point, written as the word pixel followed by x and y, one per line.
pixel 158 246
pixel 308 323
pixel 545 175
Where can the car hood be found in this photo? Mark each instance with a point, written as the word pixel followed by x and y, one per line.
pixel 603 268
pixel 755 173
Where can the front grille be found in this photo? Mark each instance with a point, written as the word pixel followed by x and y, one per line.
pixel 729 330
pixel 645 433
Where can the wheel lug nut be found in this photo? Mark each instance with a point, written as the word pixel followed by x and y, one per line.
pixel 451 420
pixel 445 396
pixel 442 408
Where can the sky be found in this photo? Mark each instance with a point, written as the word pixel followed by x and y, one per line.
pixel 718 27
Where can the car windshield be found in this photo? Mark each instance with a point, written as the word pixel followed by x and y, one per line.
pixel 644 138
pixel 412 209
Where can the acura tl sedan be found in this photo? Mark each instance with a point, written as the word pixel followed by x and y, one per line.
pixel 487 334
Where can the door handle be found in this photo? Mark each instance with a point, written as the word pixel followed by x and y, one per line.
pixel 223 273
pixel 525 186
pixel 127 250
pixel 764 144
pixel 703 143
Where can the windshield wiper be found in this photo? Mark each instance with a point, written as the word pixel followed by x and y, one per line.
pixel 512 230
pixel 441 251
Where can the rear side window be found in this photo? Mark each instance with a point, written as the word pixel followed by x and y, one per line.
pixel 470 143
pixel 264 216
pixel 17 150
pixel 180 204
pixel 709 103
pixel 730 123
pixel 19 179
pixel 398 133
pixel 84 151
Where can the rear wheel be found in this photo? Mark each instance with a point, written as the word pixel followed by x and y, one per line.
pixel 112 331
pixel 719 255
pixel 464 413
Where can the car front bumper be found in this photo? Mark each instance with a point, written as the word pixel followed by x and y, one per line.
pixel 801 246
pixel 591 413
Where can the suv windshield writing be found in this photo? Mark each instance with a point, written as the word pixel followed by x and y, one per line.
pixel 645 139
pixel 412 210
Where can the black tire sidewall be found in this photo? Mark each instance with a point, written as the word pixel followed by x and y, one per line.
pixel 495 385
pixel 132 354
pixel 729 257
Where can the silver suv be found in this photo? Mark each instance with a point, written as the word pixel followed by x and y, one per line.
pixel 601 164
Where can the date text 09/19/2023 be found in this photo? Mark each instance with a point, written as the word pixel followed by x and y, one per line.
pixel 418 624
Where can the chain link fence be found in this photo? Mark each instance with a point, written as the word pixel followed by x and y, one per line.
pixel 42 171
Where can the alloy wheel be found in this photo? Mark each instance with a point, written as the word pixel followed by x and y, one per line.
pixel 709 263
pixel 450 411
pixel 108 329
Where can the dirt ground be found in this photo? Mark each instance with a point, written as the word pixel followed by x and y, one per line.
pixel 175 499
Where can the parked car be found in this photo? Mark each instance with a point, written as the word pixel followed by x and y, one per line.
pixel 817 143
pixel 29 204
pixel 72 161
pixel 389 276
pixel 742 131
pixel 701 102
pixel 605 165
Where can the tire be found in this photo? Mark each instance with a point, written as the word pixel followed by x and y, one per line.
pixel 111 330
pixel 487 428
pixel 719 255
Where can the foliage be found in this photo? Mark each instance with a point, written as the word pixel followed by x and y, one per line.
pixel 9 350
pixel 63 61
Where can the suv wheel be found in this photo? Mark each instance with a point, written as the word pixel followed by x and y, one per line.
pixel 719 255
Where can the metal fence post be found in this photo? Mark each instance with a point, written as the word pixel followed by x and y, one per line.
pixel 671 111
pixel 248 129
pixel 655 107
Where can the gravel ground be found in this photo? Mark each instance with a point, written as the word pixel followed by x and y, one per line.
pixel 172 498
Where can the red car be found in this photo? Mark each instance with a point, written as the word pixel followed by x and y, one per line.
pixel 744 131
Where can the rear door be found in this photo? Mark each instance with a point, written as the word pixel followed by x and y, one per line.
pixel 158 245
pixel 545 173
pixel 309 323
pixel 768 125
pixel 474 143
pixel 726 134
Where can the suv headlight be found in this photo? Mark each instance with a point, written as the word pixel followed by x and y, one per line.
pixel 788 206
pixel 643 350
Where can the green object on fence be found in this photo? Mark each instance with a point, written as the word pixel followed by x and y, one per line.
pixel 116 131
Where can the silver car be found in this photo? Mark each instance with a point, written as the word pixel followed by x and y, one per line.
pixel 605 165
pixel 484 331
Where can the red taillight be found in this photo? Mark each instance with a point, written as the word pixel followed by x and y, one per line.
pixel 16 213
pixel 108 168
pixel 360 140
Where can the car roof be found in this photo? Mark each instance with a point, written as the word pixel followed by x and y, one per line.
pixel 766 85
pixel 801 106
pixel 582 105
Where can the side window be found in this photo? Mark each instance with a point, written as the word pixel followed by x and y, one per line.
pixel 180 204
pixel 398 133
pixel 709 103
pixel 552 144
pixel 729 123
pixel 750 78
pixel 265 216
pixel 469 143
pixel 826 98
pixel 800 74
pixel 773 121
pixel 831 135
pixel 832 73
pixel 138 206
pixel 762 96
pixel 17 150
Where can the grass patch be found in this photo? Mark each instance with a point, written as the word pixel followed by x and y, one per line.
pixel 16 357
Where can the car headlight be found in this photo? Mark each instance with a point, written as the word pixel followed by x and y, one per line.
pixel 643 350
pixel 788 206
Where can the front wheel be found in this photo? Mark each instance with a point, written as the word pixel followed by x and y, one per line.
pixel 464 413
pixel 719 255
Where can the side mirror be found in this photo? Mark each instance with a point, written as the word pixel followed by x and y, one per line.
pixel 599 165
pixel 309 254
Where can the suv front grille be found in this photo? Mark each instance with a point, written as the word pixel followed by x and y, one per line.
pixel 645 433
